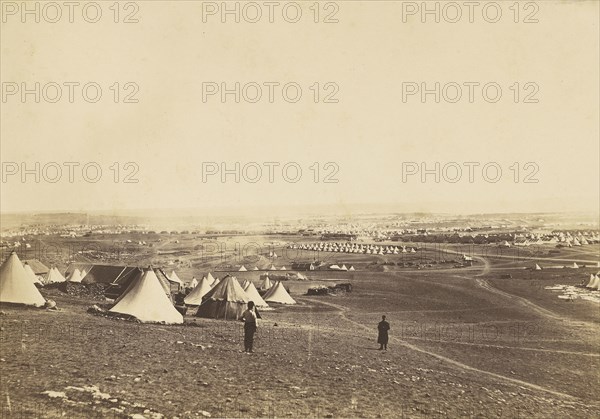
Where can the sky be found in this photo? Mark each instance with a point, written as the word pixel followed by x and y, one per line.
pixel 360 133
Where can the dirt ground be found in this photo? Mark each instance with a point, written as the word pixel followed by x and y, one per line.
pixel 463 343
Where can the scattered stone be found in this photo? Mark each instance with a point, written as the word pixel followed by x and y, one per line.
pixel 55 394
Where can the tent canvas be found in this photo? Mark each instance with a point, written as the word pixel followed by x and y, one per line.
pixel 227 300
pixel 38 267
pixel 211 279
pixel 16 286
pixel 174 278
pixel 242 269
pixel 266 284
pixel 591 281
pixel 145 300
pixel 194 298
pixel 75 276
pixel 54 276
pixel 537 267
pixel 278 294
pixel 31 274
pixel 194 282
pixel 254 296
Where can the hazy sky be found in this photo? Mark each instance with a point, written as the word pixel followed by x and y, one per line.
pixel 370 57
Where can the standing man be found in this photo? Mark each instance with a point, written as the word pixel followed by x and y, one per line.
pixel 249 319
pixel 382 338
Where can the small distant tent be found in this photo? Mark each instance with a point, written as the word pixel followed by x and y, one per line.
pixel 344 268
pixel 351 268
pixel 575 266
pixel 194 282
pixel 34 278
pixel 591 281
pixel 174 278
pixel 75 276
pixel 54 276
pixel 537 267
pixel 272 268
pixel 412 250
pixel 283 268
pixel 335 267
pixel 278 294
pixel 255 268
pixel 211 279
pixel 242 269
pixel 227 300
pixel 194 298
pixel 254 296
pixel 266 284
pixel 145 299
pixel 595 283
pixel 16 286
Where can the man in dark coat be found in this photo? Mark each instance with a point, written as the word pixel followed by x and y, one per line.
pixel 249 318
pixel 382 338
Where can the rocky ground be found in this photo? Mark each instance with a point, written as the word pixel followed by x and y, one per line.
pixel 461 345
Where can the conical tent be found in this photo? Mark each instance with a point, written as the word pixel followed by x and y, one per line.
pixel 591 281
pixel 227 300
pixel 75 276
pixel 256 268
pixel 254 296
pixel 278 294
pixel 16 286
pixel 194 298
pixel 243 269
pixel 145 300
pixel 595 283
pixel 538 267
pixel 31 274
pixel 174 278
pixel 194 282
pixel 211 279
pixel 351 268
pixel 266 284
pixel 272 268
pixel 575 265
pixel 282 268
pixel 216 282
pixel 54 276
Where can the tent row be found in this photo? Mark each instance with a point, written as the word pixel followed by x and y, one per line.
pixel 271 268
pixel 147 297
pixel 368 249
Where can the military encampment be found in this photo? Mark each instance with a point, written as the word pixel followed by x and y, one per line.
pixel 300 210
pixel 16 285
pixel 227 300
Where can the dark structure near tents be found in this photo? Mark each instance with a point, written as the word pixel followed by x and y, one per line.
pixel 303 266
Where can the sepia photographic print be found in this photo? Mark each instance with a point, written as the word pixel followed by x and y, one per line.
pixel 300 209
